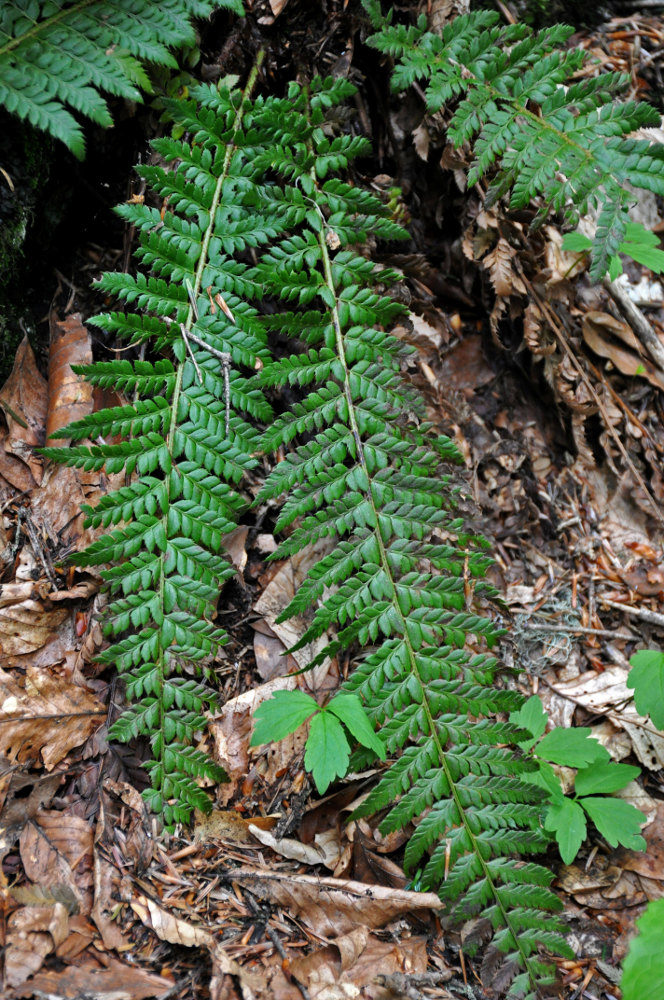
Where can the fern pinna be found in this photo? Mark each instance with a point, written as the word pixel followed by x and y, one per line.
pixel 58 54
pixel 188 437
pixel 551 137
pixel 402 577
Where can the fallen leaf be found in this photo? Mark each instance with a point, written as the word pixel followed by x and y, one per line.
pixel 607 693
pixel 615 340
pixel 56 851
pixel 44 715
pixel 23 400
pixel 33 932
pixel 116 982
pixel 351 965
pixel 324 851
pixel 69 395
pixel 27 626
pixel 331 907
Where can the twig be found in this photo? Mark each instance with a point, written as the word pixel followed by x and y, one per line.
pixel 577 629
pixel 652 617
pixel 274 938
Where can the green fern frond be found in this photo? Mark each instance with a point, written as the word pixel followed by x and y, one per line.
pixel 58 54
pixel 548 137
pixel 404 578
pixel 189 437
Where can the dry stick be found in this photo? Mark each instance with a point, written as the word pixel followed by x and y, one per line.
pixel 652 617
pixel 636 319
pixel 577 630
pixel 555 327
pixel 274 938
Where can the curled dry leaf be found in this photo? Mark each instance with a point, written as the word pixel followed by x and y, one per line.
pixel 177 931
pixel 608 693
pixel 23 401
pixel 613 339
pixel 33 932
pixel 27 626
pixel 33 713
pixel 332 907
pixel 355 964
pixel 326 850
pixel 115 981
pixel 56 851
pixel 69 395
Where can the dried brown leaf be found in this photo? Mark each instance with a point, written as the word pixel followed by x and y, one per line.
pixel 56 851
pixel 332 907
pixel 44 715
pixel 33 932
pixel 69 395
pixel 23 400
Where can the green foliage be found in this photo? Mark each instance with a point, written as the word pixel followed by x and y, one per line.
pixel 327 751
pixel 643 969
pixel 403 578
pixel 647 679
pixel 639 244
pixel 188 437
pixel 549 137
pixel 59 54
pixel 619 822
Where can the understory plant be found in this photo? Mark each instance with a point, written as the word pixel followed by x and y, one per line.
pixel 255 284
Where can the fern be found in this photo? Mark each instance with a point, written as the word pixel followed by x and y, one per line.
pixel 58 54
pixel 403 578
pixel 564 142
pixel 187 441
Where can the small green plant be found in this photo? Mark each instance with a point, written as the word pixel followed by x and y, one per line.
pixel 597 777
pixel 327 752
pixel 643 969
pixel 639 244
pixel 647 679
pixel 57 55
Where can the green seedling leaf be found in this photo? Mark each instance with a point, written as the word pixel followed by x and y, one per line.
pixel 643 969
pixel 532 717
pixel 636 232
pixel 647 679
pixel 604 778
pixel 577 243
pixel 572 748
pixel 327 751
pixel 546 778
pixel 567 822
pixel 650 257
pixel 348 708
pixel 281 715
pixel 617 821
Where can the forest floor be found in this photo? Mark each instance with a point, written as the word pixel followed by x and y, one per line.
pixel 542 381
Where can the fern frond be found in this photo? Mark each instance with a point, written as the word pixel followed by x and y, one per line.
pixel 60 54
pixel 403 578
pixel 549 138
pixel 189 435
